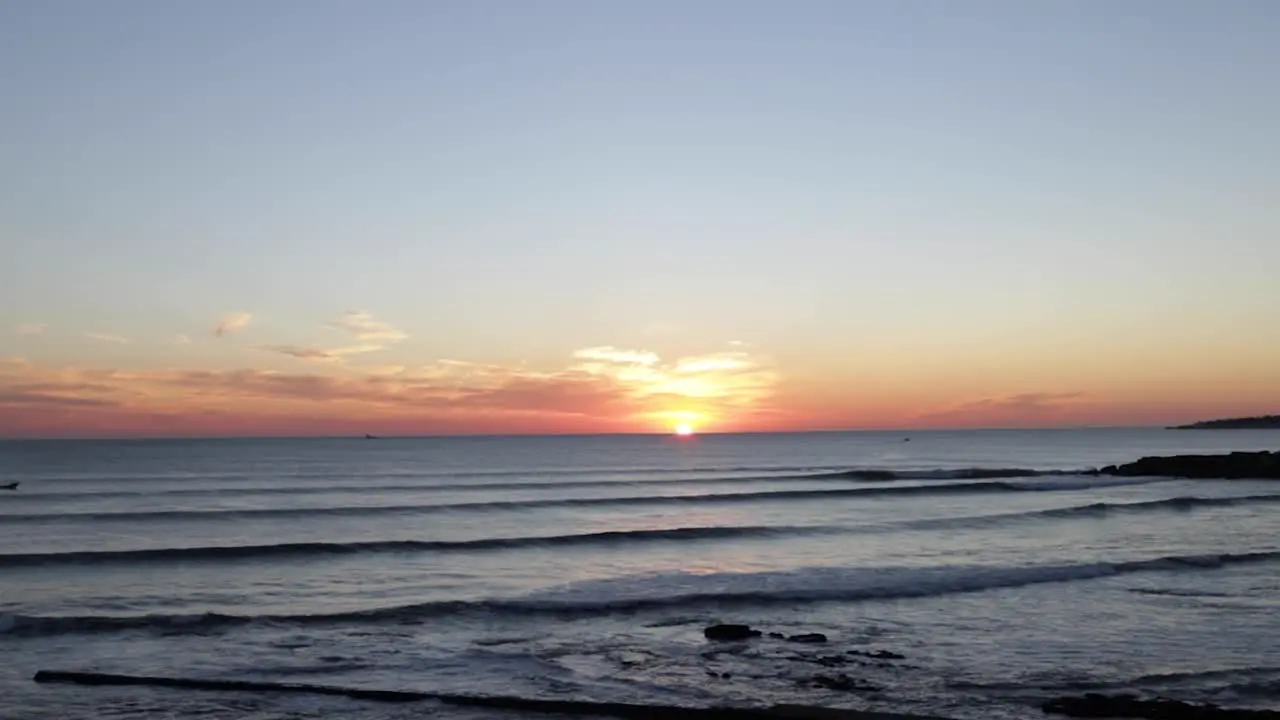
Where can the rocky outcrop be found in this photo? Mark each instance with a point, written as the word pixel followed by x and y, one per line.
pixel 1236 465
pixel 1261 422
pixel 1094 705
pixel 730 633
pixel 878 654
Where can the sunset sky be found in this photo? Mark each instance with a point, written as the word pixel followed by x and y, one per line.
pixel 460 216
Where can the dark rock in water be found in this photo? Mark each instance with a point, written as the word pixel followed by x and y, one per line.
pixel 1094 705
pixel 729 632
pixel 844 683
pixel 1236 465
pixel 777 636
pixel 811 638
pixel 878 654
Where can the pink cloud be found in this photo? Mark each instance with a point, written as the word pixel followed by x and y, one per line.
pixel 586 396
pixel 234 322
pixel 364 326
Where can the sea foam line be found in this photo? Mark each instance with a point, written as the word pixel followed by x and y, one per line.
pixel 240 552
pixel 613 537
pixel 952 488
pixel 778 475
pixel 673 591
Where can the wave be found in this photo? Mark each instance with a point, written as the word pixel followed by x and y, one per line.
pixel 952 488
pixel 355 511
pixel 617 537
pixel 1230 678
pixel 1183 502
pixel 1098 509
pixel 423 487
pixel 973 473
pixel 428 475
pixel 1177 592
pixel 777 474
pixel 240 552
pixel 672 591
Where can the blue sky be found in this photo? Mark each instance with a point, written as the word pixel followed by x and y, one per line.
pixel 846 184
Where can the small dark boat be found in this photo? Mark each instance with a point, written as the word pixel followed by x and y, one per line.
pixel 370 437
pixel 10 486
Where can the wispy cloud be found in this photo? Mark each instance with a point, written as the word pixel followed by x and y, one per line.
pixel 108 338
pixel 234 322
pixel 597 389
pixel 31 329
pixel 18 397
pixel 364 326
pixel 610 354
pixel 373 334
pixel 1015 409
pixel 181 340
pixel 315 354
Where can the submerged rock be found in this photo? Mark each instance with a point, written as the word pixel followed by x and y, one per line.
pixel 844 683
pixel 730 632
pixel 1095 705
pixel 1236 465
pixel 810 638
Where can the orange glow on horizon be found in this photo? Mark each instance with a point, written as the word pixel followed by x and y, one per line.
pixel 599 390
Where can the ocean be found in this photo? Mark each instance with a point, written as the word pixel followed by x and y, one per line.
pixel 587 568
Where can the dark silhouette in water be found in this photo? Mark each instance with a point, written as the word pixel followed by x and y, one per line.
pixel 10 486
pixel 367 436
pixel 1236 465
pixel 1261 422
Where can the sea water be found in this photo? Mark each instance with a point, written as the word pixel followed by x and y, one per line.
pixel 587 567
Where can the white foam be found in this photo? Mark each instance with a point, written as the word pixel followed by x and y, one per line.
pixel 815 583
pixel 848 584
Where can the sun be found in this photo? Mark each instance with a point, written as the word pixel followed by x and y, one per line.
pixel 684 429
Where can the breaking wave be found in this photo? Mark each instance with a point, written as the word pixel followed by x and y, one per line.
pixel 241 552
pixel 672 591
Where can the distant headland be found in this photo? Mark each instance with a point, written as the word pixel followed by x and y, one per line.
pixel 1262 422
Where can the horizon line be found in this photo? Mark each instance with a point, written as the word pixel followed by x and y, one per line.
pixel 439 436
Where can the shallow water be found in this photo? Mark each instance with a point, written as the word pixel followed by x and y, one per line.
pixel 587 567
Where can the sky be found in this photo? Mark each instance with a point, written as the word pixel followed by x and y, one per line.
pixel 497 216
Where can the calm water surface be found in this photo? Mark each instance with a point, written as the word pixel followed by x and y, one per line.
pixel 587 568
